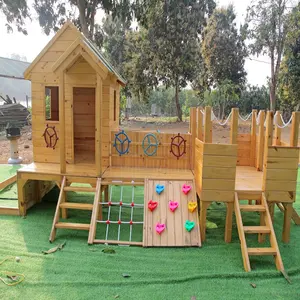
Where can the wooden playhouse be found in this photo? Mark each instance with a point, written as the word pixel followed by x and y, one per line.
pixel 76 139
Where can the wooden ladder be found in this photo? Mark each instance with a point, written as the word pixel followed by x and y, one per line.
pixel 63 205
pixel 266 227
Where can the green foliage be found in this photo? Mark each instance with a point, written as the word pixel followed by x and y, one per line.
pixel 289 79
pixel 15 12
pixel 48 107
pixel 223 50
pixel 268 26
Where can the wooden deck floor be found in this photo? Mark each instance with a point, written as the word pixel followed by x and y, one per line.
pixel 247 178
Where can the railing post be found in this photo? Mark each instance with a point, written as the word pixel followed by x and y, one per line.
pixel 234 125
pixel 253 138
pixel 295 129
pixel 207 125
pixel 199 124
pixel 260 147
pixel 277 135
pixel 62 139
pixel 193 126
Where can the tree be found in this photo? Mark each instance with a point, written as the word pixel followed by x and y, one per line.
pixel 223 50
pixel 53 13
pixel 268 30
pixel 174 28
pixel 19 57
pixel 289 77
pixel 15 12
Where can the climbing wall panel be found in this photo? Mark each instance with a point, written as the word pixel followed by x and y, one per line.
pixel 164 227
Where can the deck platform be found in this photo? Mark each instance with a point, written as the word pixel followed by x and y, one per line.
pixel 248 179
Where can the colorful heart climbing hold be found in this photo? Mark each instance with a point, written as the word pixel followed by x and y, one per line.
pixel 192 206
pixel 159 189
pixel 160 228
pixel 189 225
pixel 186 188
pixel 173 205
pixel 152 205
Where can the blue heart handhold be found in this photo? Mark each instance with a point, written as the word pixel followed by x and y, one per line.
pixel 159 189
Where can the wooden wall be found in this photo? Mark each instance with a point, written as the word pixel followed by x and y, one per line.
pixel 244 149
pixel 215 170
pixel 162 159
pixel 280 173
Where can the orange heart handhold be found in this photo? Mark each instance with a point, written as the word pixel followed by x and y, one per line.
pixel 192 206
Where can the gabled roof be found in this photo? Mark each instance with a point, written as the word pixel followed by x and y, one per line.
pixel 12 68
pixel 80 39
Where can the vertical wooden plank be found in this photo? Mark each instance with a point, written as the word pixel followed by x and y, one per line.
pixel 295 129
pixel 269 134
pixel 253 138
pixel 21 197
pixel 193 120
pixel 199 124
pixel 203 212
pixel 62 140
pixel 277 136
pixel 150 228
pixel 287 222
pixel 98 123
pixel 234 125
pixel 228 224
pixel 172 216
pixel 156 214
pixel 208 125
pixel 260 148
pixel 163 207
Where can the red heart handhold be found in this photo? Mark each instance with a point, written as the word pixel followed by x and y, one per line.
pixel 152 205
pixel 186 188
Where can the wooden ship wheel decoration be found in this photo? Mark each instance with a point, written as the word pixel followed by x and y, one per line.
pixel 50 136
pixel 178 146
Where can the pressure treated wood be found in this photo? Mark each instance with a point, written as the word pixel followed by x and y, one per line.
pixel 175 234
pixel 8 182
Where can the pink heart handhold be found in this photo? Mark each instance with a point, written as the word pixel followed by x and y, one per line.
pixel 186 188
pixel 160 228
pixel 173 205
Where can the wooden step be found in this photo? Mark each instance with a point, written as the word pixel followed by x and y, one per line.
pixel 78 226
pixel 79 189
pixel 252 208
pixel 262 251
pixel 81 206
pixel 257 229
pixel 249 195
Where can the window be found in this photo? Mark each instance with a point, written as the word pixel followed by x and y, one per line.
pixel 51 103
pixel 115 105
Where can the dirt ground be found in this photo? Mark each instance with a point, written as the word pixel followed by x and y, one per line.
pixel 220 134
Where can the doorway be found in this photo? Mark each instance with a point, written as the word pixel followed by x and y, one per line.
pixel 84 124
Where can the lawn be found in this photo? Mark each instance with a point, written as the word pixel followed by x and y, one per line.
pixel 79 271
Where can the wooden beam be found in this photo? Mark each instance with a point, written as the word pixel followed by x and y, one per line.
pixel 295 129
pixel 62 141
pixel 98 122
pixel 193 120
pixel 234 125
pixel 207 125
pixel 260 147
pixel 277 135
pixel 199 124
pixel 253 138
pixel 8 182
pixel 11 211
pixel 268 136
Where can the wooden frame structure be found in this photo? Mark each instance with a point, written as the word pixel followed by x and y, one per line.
pixel 255 166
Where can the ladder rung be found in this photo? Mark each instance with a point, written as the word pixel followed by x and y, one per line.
pixel 79 189
pixel 252 208
pixel 256 229
pixel 249 195
pixel 78 226
pixel 261 251
pixel 82 206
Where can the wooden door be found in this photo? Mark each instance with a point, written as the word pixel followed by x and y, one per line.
pixel 84 124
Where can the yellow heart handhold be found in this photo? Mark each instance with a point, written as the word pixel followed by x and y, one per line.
pixel 192 206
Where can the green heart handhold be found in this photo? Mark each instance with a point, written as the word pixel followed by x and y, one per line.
pixel 189 225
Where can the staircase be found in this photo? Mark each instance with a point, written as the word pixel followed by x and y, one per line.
pixel 265 228
pixel 63 206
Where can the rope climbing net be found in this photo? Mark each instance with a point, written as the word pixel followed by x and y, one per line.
pixel 121 205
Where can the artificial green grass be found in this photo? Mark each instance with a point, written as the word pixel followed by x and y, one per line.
pixel 79 271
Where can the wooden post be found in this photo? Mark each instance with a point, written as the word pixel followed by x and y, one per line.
pixel 193 125
pixel 207 125
pixel 234 125
pixel 295 129
pixel 62 140
pixel 269 134
pixel 253 138
pixel 98 122
pixel 277 136
pixel 199 124
pixel 228 224
pixel 260 147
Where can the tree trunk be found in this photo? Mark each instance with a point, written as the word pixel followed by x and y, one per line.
pixel 272 84
pixel 82 18
pixel 178 108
